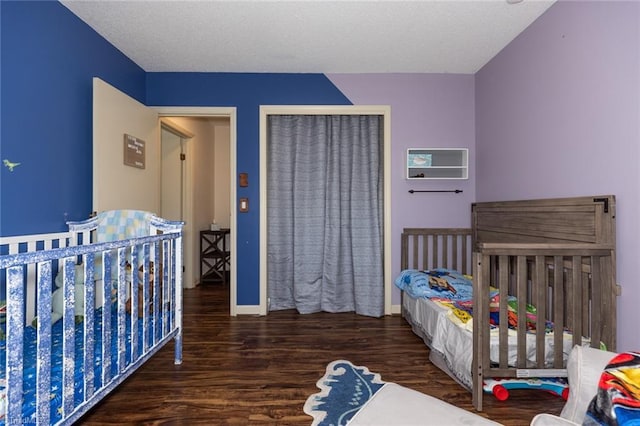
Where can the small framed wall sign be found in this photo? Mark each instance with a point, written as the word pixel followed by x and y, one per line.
pixel 134 152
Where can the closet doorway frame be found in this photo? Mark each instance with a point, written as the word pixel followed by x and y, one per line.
pixel 382 110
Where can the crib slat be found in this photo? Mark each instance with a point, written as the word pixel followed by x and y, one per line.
pixel 171 285
pixel 540 277
pixel 444 250
pixel 15 336
pixel 68 339
pixel 135 285
pixel 156 295
pixel 503 280
pixel 177 286
pixel 106 317
pixel 146 341
pixel 576 302
pixel 166 273
pixel 608 291
pixel 558 311
pixel 30 296
pixel 404 255
pixel 43 371
pixel 521 295
pixel 596 302
pixel 465 262
pixel 122 300
pixel 89 324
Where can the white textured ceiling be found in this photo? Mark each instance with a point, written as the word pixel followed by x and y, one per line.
pixel 309 36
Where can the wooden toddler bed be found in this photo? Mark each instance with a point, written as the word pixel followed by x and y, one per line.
pixel 553 259
pixel 75 325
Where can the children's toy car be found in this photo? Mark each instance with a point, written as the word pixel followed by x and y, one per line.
pixel 500 388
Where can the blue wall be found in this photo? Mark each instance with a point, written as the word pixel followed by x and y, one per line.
pixel 46 119
pixel 48 60
pixel 246 92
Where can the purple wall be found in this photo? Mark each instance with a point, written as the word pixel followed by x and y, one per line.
pixel 558 114
pixel 427 110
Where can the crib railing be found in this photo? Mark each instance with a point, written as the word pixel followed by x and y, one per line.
pixel 31 243
pixel 429 248
pixel 563 295
pixel 35 266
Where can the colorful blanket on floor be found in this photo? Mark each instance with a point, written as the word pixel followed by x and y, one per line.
pixel 618 399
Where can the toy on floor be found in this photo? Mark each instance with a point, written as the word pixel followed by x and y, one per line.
pixel 500 388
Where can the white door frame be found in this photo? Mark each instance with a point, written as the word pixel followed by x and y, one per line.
pixel 230 113
pixel 383 110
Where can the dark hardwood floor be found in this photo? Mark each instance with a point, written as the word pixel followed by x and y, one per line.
pixel 260 370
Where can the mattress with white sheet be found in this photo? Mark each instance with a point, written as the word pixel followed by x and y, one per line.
pixel 451 341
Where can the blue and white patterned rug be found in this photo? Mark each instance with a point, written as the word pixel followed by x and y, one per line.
pixel 344 389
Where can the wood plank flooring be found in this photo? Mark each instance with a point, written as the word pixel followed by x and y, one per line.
pixel 260 370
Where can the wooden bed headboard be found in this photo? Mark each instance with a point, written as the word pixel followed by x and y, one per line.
pixel 588 220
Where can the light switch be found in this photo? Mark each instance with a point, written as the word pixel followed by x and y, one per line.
pixel 244 205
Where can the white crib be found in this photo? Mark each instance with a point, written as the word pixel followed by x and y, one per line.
pixel 119 278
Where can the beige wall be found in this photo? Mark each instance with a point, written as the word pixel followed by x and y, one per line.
pixel 221 172
pixel 208 178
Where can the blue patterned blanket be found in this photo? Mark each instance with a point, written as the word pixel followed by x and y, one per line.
pixel 344 389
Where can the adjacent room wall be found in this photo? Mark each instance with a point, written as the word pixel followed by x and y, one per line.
pixel 221 171
pixel 557 114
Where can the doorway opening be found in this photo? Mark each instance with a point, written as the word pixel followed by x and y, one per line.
pixel 208 171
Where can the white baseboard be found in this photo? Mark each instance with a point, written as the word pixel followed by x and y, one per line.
pixel 247 309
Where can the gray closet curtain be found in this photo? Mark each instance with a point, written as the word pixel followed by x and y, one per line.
pixel 325 213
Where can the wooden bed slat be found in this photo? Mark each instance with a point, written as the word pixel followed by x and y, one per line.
pixel 558 311
pixel 503 270
pixel 521 295
pixel 541 300
pixel 596 304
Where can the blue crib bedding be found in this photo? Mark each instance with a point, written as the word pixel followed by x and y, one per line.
pixel 30 354
pixel 437 283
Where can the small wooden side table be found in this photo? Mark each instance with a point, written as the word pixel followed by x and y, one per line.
pixel 215 257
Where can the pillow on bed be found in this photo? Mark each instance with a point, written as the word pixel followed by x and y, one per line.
pixel 443 284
